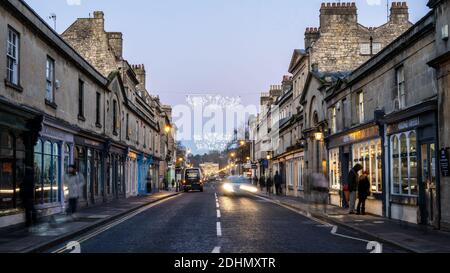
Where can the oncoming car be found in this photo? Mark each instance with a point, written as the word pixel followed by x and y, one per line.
pixel 237 185
pixel 192 180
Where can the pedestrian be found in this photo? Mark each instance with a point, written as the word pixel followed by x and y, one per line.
pixel 75 183
pixel 363 192
pixel 165 184
pixel 278 182
pixel 269 184
pixel 149 183
pixel 262 182
pixel 27 196
pixel 353 179
pixel 346 195
pixel 320 191
pixel 255 180
pixel 173 183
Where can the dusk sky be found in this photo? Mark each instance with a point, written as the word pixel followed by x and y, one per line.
pixel 229 47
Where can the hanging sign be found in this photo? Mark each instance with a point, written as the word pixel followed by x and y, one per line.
pixel 444 162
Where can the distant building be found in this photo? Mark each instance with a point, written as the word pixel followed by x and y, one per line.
pixel 209 168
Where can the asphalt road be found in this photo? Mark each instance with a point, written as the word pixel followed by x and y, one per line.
pixel 211 222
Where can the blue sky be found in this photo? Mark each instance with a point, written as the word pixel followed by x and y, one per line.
pixel 229 47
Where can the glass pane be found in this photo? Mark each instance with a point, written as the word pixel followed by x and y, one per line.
pixel 404 164
pixel 395 165
pixel 433 162
pixel 373 167
pixel 47 178
pixel 380 167
pixel 413 164
pixel 6 171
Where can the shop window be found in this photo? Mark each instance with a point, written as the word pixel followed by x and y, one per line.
pixel 7 187
pixel 334 169
pixel 301 167
pixel 47 171
pixel 12 57
pixel 368 154
pixel 404 164
pixel 115 119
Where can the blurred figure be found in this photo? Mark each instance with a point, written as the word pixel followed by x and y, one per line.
pixel 149 184
pixel 255 180
pixel 346 195
pixel 363 192
pixel 320 191
pixel 165 184
pixel 75 183
pixel 269 184
pixel 353 179
pixel 27 196
pixel 262 182
pixel 278 182
pixel 173 183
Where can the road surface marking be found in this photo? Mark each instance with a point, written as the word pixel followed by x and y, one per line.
pixel 217 205
pixel 216 249
pixel 218 214
pixel 370 244
pixel 219 230
pixel 115 223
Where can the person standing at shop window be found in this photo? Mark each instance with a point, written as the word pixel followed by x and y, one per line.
pixel 353 179
pixel 75 183
pixel 278 183
pixel 27 196
pixel 262 182
pixel 363 192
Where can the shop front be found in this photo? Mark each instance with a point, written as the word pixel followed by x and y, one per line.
pixel 114 173
pixel 89 159
pixel 19 130
pixel 131 174
pixel 53 153
pixel 413 165
pixel 145 162
pixel 360 146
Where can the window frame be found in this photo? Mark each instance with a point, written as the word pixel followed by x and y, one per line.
pixel 51 80
pixel 16 58
pixel 400 83
pixel 98 98
pixel 410 155
pixel 81 93
pixel 360 106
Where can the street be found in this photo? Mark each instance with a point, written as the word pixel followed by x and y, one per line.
pixel 192 223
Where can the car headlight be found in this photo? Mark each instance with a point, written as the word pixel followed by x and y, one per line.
pixel 248 188
pixel 228 187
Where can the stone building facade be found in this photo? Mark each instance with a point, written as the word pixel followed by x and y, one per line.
pixel 441 62
pixel 383 116
pixel 143 115
pixel 57 109
pixel 331 51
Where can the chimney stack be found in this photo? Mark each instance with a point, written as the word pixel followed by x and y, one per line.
pixel 139 70
pixel 116 43
pixel 338 13
pixel 311 35
pixel 399 12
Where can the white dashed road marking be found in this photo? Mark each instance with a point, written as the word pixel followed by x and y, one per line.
pixel 219 230
pixel 218 214
pixel 216 249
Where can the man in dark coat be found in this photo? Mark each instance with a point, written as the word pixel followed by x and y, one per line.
pixel 278 182
pixel 262 182
pixel 353 179
pixel 269 184
pixel 255 180
pixel 363 192
pixel 27 196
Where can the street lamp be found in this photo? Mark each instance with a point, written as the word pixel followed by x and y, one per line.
pixel 318 136
pixel 233 155
pixel 242 142
pixel 167 129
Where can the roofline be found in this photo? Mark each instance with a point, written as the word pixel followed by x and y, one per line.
pixel 22 11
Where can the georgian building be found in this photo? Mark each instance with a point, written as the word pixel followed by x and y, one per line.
pixel 59 106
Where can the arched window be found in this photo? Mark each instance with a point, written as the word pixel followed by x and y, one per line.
pixel 395 165
pixel 404 163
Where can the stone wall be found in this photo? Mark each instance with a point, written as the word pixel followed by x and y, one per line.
pixel 100 48
pixel 335 46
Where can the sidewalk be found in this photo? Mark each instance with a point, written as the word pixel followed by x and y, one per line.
pixel 49 233
pixel 410 237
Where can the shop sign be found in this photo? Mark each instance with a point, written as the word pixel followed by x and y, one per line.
pixel 355 137
pixel 56 134
pixel 404 125
pixel 444 162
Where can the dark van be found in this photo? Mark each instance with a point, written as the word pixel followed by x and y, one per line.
pixel 192 180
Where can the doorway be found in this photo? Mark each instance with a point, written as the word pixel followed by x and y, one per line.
pixel 428 189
